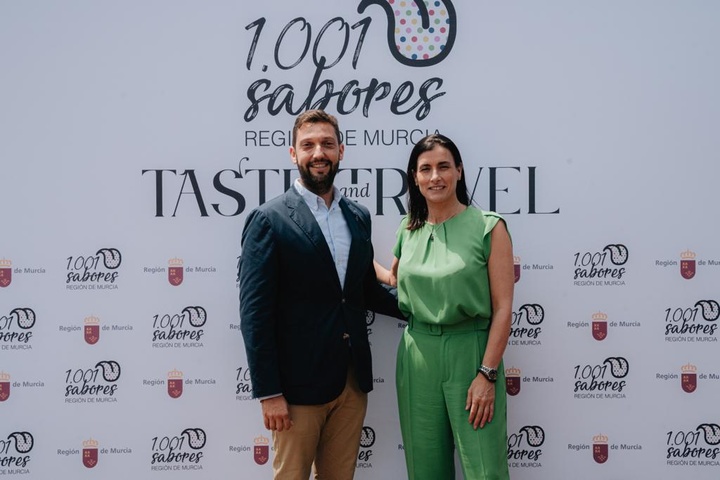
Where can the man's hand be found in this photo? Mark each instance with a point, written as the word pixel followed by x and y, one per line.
pixel 276 414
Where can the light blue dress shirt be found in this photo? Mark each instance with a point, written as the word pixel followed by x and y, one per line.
pixel 333 225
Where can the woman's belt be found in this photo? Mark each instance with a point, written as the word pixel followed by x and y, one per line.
pixel 470 325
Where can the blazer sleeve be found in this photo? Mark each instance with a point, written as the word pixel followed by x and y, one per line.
pixel 259 276
pixel 378 298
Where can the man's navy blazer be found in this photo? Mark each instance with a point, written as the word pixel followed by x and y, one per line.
pixel 295 316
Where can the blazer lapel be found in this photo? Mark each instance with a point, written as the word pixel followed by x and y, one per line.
pixel 300 213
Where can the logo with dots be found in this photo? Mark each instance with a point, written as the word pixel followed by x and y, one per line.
pixel 419 34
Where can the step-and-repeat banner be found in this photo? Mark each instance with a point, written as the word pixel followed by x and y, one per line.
pixel 136 137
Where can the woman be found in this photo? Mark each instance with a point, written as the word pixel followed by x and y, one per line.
pixel 453 269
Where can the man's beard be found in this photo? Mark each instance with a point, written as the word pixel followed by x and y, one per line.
pixel 318 184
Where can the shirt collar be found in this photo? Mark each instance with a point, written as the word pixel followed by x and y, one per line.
pixel 315 201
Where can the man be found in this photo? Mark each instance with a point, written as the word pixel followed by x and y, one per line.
pixel 306 280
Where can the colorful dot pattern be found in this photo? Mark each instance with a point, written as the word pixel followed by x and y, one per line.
pixel 412 40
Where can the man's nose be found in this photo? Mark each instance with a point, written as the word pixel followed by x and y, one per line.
pixel 318 151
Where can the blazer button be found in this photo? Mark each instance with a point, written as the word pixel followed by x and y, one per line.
pixel 342 301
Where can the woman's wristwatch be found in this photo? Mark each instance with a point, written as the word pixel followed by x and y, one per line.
pixel 490 373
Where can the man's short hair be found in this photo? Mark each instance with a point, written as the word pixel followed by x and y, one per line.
pixel 315 116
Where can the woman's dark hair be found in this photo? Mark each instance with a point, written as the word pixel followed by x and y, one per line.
pixel 417 205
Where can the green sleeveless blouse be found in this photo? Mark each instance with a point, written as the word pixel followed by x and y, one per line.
pixel 442 275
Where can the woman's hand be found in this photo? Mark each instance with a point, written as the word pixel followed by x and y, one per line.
pixel 480 401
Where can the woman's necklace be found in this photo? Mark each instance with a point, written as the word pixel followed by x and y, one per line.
pixel 433 229
pixel 435 226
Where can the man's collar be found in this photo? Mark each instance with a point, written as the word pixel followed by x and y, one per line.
pixel 314 201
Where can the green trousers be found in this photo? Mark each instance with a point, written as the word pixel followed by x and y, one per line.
pixel 435 366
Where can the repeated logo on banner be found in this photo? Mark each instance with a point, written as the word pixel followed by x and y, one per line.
pixel 601 322
pixel 97 384
pixel 602 450
pixel 15 451
pixel 8 272
pixel 526 329
pixel 176 384
pixel 524 447
pixel 688 378
pixel 92 452
pixel 602 268
pixel 604 380
pixel 259 450
pixel 91 328
pixel 176 271
pixel 694 447
pixel 695 323
pixel 98 271
pixel 179 330
pixel 600 325
pixel 16 329
pixel 514 380
pixel 688 265
pixel 182 451
pixel 9 387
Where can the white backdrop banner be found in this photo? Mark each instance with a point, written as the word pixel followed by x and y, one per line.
pixel 137 136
